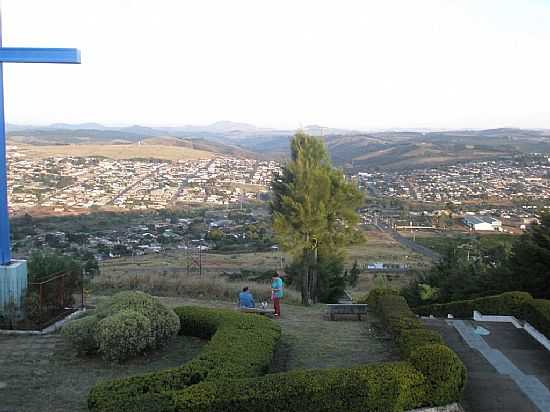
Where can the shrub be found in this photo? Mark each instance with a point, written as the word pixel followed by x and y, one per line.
pixel 241 346
pixel 366 388
pixel 80 333
pixel 537 313
pixel 444 371
pixel 123 335
pixel 165 323
pixel 375 294
pixel 509 303
pixel 411 339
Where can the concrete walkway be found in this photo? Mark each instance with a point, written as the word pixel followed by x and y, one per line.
pixel 508 371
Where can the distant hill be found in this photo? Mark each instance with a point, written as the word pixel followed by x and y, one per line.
pixel 392 149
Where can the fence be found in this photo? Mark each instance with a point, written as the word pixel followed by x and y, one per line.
pixel 54 296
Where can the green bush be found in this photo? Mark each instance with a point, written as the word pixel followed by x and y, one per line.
pixel 80 333
pixel 375 294
pixel 241 346
pixel 410 339
pixel 385 387
pixel 444 371
pixel 165 323
pixel 537 313
pixel 123 335
pixel 509 303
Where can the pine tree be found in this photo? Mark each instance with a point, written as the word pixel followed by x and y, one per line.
pixel 314 209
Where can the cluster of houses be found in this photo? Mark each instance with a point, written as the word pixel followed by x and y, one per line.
pixel 70 183
pixel 527 177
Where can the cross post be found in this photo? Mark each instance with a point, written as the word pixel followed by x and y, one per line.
pixel 19 55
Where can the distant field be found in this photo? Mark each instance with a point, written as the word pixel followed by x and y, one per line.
pixel 441 242
pixel 167 273
pixel 114 151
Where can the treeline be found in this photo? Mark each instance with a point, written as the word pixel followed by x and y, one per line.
pixel 525 266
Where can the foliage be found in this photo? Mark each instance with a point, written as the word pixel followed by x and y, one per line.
pixel 386 387
pixel 117 329
pixel 527 267
pixel 445 372
pixel 80 333
pixel 375 294
pixel 164 322
pixel 241 346
pixel 537 313
pixel 508 303
pixel 313 209
pixel 123 335
pixel 353 276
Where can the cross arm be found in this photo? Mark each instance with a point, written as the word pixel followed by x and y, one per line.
pixel 38 55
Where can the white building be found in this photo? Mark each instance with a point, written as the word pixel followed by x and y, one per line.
pixel 482 223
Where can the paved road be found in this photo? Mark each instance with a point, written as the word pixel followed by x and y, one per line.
pixel 508 371
pixel 418 248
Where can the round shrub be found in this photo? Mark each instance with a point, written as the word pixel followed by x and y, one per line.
pixel 80 333
pixel 165 324
pixel 444 371
pixel 123 335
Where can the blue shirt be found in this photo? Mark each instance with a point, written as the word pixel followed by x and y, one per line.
pixel 246 300
pixel 277 283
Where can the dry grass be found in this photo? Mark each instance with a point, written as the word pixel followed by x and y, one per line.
pixel 114 151
pixel 209 287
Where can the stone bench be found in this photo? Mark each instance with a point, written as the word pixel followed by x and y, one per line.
pixel 259 311
pixel 346 309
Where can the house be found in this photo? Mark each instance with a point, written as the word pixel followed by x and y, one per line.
pixel 482 223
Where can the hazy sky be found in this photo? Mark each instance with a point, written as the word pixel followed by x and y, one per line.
pixel 354 64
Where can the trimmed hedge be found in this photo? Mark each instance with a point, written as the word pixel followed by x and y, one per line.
pixel 518 304
pixel 537 313
pixel 241 346
pixel 509 303
pixel 229 374
pixel 444 371
pixel 385 387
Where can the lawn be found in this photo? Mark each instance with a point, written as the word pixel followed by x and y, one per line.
pixel 40 373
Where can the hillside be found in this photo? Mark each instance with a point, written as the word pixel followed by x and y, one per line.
pixel 115 151
pixel 353 150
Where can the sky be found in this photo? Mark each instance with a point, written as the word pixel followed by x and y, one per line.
pixel 284 64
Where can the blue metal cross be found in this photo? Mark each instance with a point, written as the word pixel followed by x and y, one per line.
pixel 19 55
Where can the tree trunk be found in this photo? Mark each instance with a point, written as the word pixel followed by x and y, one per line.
pixel 306 295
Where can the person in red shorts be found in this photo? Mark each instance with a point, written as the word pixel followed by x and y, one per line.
pixel 277 292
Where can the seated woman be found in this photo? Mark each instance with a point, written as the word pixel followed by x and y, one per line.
pixel 246 300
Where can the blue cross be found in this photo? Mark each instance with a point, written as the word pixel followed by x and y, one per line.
pixel 19 55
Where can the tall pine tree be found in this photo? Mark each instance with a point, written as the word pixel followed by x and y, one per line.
pixel 314 210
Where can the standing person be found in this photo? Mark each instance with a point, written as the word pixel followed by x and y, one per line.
pixel 277 292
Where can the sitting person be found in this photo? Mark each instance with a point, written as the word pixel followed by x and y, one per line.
pixel 246 300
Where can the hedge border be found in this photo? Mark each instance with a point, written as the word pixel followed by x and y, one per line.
pixel 240 346
pixel 519 304
pixel 229 374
